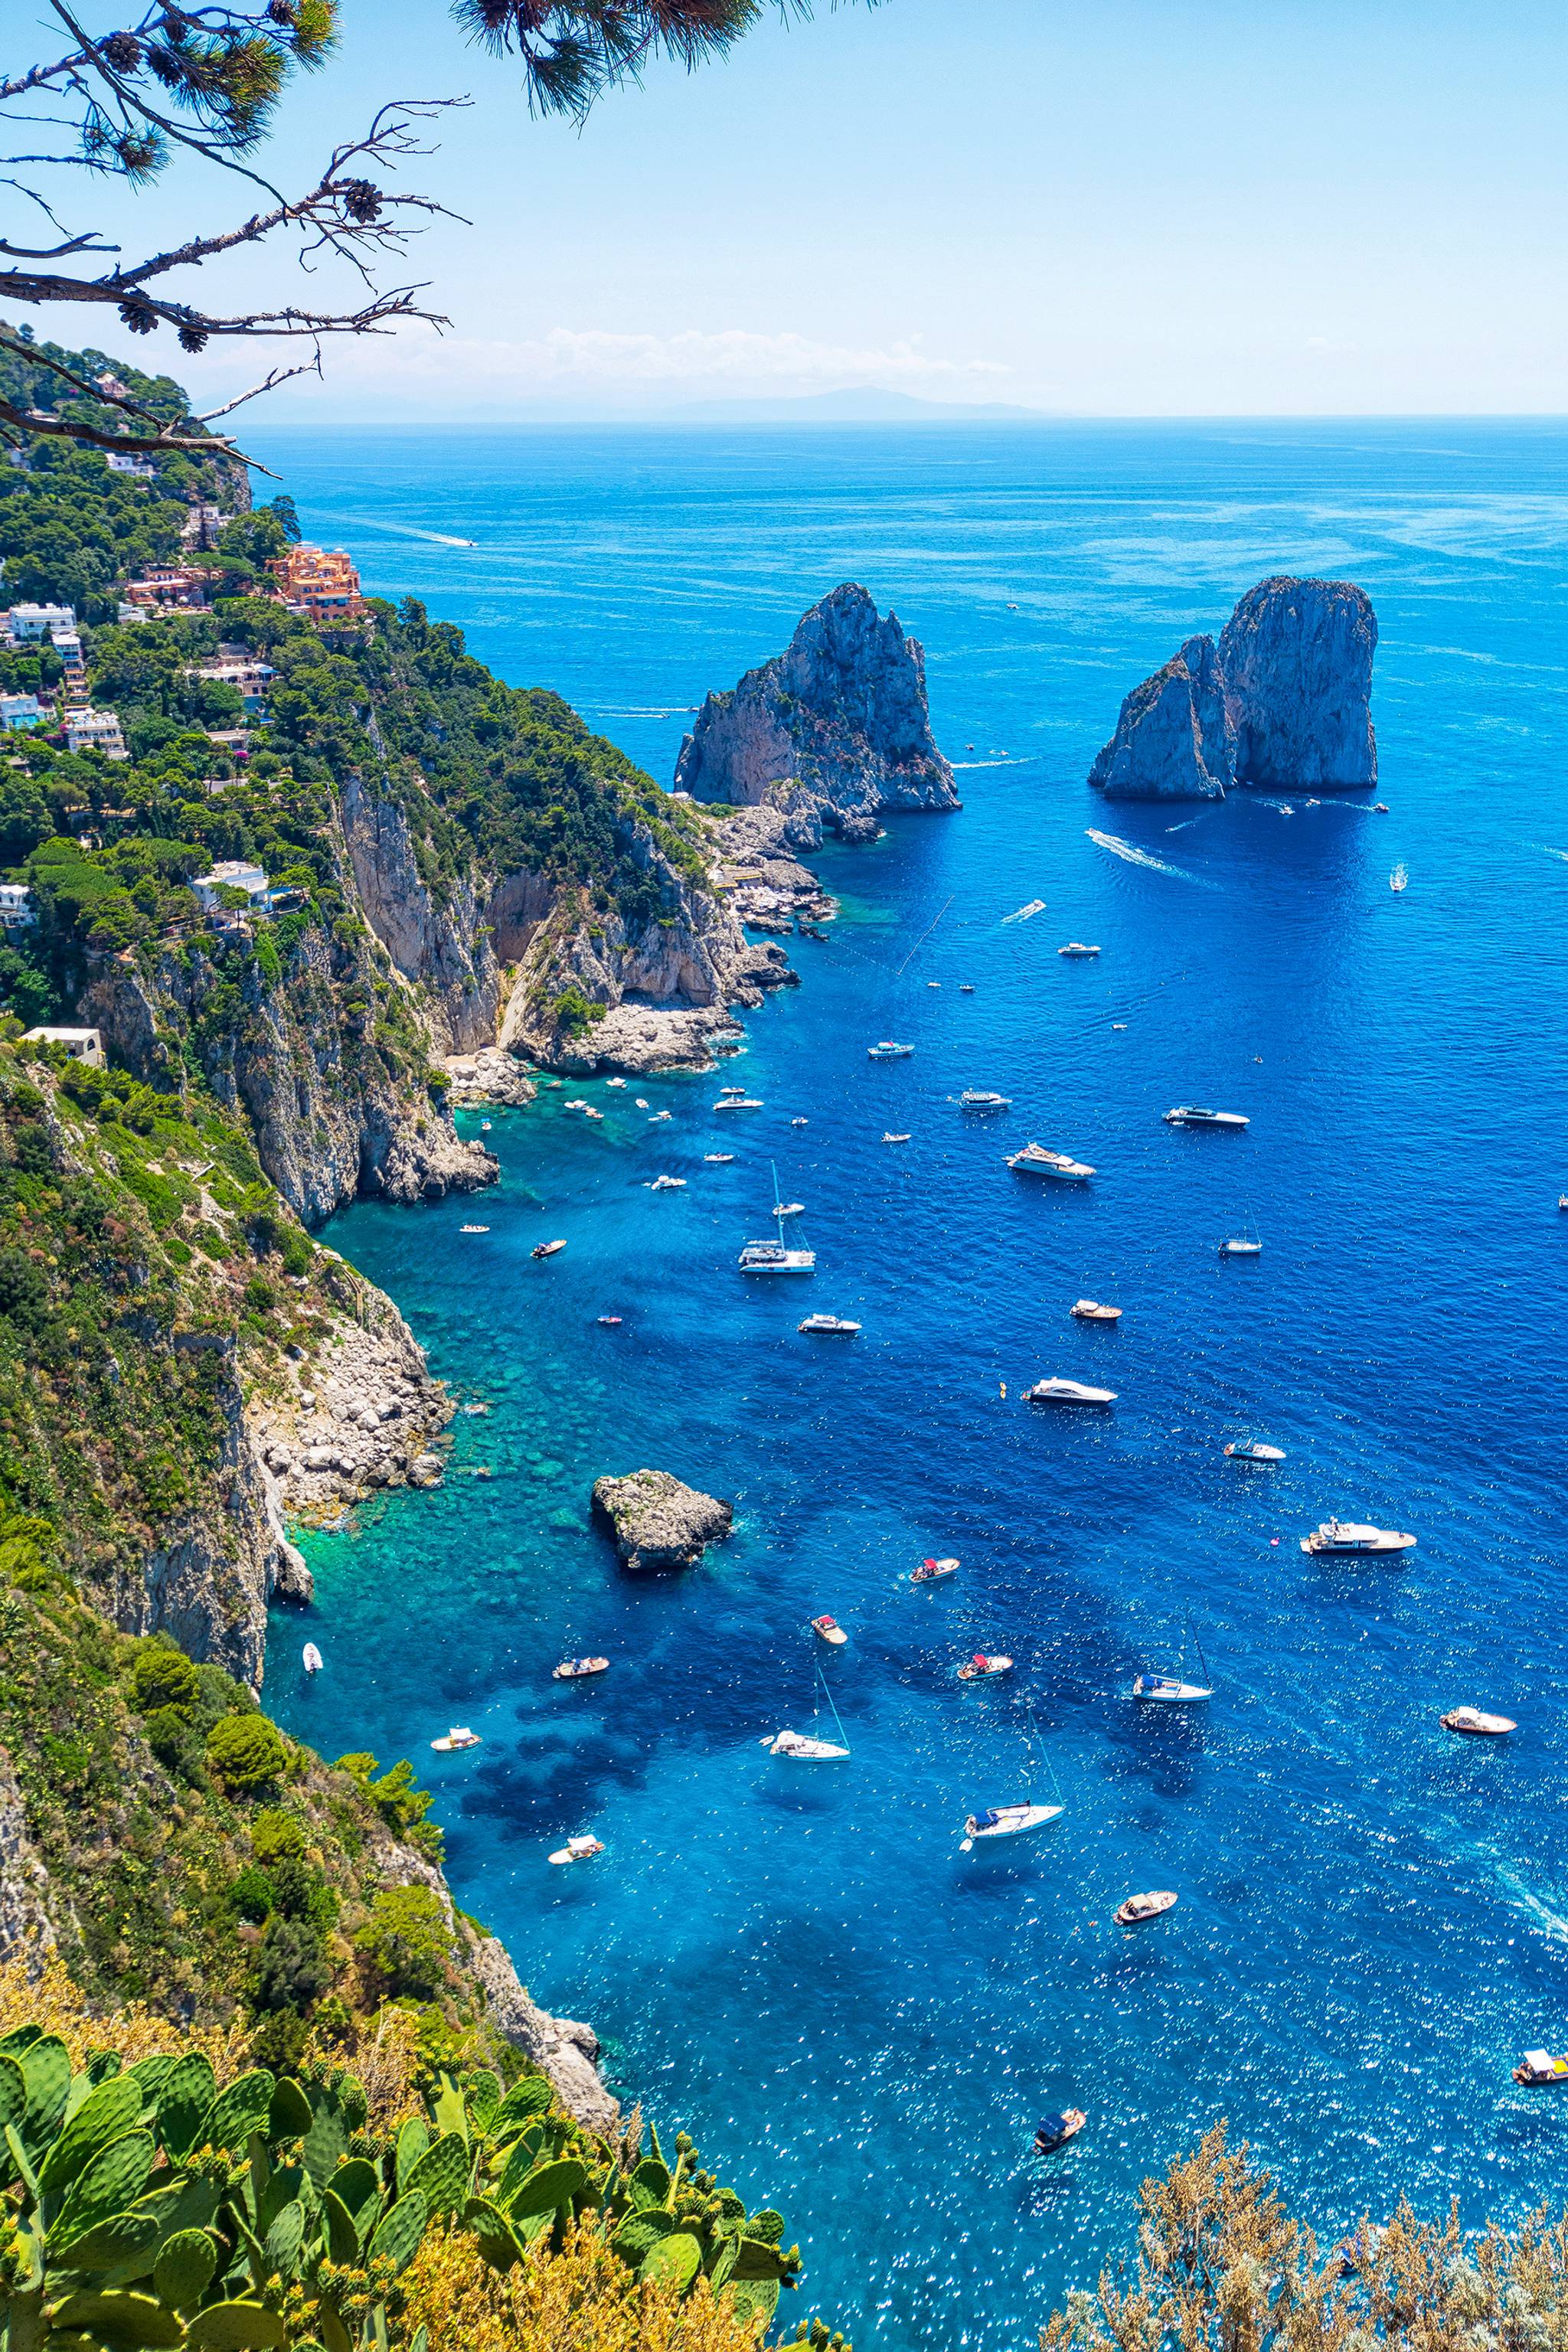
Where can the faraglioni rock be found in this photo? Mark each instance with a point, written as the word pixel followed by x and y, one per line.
pixel 834 730
pixel 1283 700
pixel 659 1522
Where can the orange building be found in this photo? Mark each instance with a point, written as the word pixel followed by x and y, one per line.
pixel 319 582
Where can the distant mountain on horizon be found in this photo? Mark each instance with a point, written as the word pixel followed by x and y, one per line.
pixel 860 403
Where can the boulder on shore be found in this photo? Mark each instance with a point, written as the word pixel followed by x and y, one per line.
pixel 834 730
pixel 1283 700
pixel 659 1522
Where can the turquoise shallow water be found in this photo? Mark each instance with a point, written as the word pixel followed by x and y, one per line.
pixel 859 2025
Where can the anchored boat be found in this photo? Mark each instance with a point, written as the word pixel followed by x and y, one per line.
pixel 930 1570
pixel 577 1670
pixel 1539 2066
pixel 1035 1160
pixel 546 1249
pixel 460 1737
pixel 1054 2131
pixel 806 1747
pixel 1090 1311
pixel 830 1327
pixel 578 1849
pixel 1077 948
pixel 979 1669
pixel 1139 1907
pixel 1006 1822
pixel 887 1049
pixel 772 1257
pixel 311 1659
pixel 1349 1539
pixel 978 1099
pixel 1252 1449
pixel 1197 1115
pixel 1168 1690
pixel 1058 1392
pixel 1480 1725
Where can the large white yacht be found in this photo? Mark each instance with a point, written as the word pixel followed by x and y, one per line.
pixel 1346 1539
pixel 1035 1160
pixel 1197 1115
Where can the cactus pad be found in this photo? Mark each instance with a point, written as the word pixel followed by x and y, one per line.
pixel 397 2239
pixel 113 2180
pixel 650 2181
pixel 13 2094
pixel 287 2235
pixel 47 2070
pixel 288 2116
pixel 104 2115
pixel 242 2327
pixel 755 2260
pixel 481 2089
pixel 124 2240
pixel 185 2096
pixel 638 2234
pixel 752 2300
pixel 674 2261
pixel 522 2105
pixel 547 2187
pixel 183 2270
pixel 118 2319
pixel 325 2144
pixel 412 2142
pixel 441 2175
pixel 355 2181
pixel 238 2111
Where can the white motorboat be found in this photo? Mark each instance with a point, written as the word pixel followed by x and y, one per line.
pixel 1077 948
pixel 615 1082
pixel 834 1326
pixel 800 1748
pixel 1006 1822
pixel 887 1049
pixel 1350 1539
pixel 1479 1725
pixel 578 1849
pixel 668 1184
pixel 980 1098
pixel 739 1102
pixel 1090 1311
pixel 655 1118
pixel 1169 1690
pixel 486 1125
pixel 589 1112
pixel 546 1249
pixel 458 1737
pixel 311 1659
pixel 979 1669
pixel 639 1102
pixel 790 1209
pixel 1241 1245
pixel 1035 1160
pixel 828 1629
pixel 718 1158
pixel 1197 1115
pixel 577 1670
pixel 1139 1907
pixel 931 1571
pixel 889 1137
pixel 1398 878
pixel 800 1122
pixel 966 988
pixel 1060 1391
pixel 473 1229
pixel 1252 1449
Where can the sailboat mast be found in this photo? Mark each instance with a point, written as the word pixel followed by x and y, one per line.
pixel 827 1694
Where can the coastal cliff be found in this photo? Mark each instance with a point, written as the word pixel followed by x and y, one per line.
pixel 1282 701
pixel 833 732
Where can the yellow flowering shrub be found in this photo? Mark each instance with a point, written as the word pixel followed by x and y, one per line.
pixel 583 2299
pixel 51 2000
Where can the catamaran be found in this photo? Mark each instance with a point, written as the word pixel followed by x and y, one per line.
pixel 1035 1160
pixel 772 1257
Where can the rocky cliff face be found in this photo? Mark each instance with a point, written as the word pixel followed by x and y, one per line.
pixel 1295 656
pixel 835 730
pixel 1282 700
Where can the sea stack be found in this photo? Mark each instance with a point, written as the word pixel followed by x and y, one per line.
pixel 834 730
pixel 659 1522
pixel 1283 701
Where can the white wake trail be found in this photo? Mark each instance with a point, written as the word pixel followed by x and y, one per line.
pixel 1120 848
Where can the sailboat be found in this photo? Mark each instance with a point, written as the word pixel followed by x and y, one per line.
pixel 772 1257
pixel 1243 1244
pixel 1169 1690
pixel 802 1747
pixel 991 1823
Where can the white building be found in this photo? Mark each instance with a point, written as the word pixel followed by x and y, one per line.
pixel 95 730
pixel 81 1045
pixel 16 906
pixel 249 677
pixel 231 874
pixel 121 462
pixel 29 625
pixel 19 710
pixel 125 614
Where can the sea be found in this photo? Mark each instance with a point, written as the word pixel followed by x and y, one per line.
pixel 859 2022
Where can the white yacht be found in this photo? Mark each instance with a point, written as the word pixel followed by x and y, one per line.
pixel 1197 1115
pixel 981 1098
pixel 772 1257
pixel 1006 1822
pixel 801 1748
pixel 1077 948
pixel 739 1102
pixel 1169 1690
pixel 837 1327
pixel 1060 1391
pixel 718 1158
pixel 888 1050
pixel 1347 1539
pixel 668 1184
pixel 1035 1160
pixel 1252 1449
pixel 1241 1245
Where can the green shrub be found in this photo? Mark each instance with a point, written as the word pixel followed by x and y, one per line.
pixel 246 1752
pixel 408 1940
pixel 274 1835
pixel 163 1676
pixel 253 1895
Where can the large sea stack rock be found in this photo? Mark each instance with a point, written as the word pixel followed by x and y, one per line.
pixel 1282 700
pixel 835 729
pixel 1172 741
pixel 1297 660
pixel 656 1521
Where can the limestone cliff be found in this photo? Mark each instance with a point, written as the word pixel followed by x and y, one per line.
pixel 834 731
pixel 1281 702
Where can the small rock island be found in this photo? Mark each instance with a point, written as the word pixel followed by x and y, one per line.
pixel 833 731
pixel 1283 701
pixel 657 1521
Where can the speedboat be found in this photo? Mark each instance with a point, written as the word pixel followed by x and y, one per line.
pixel 607 1319
pixel 473 1229
pixel 486 1125
pixel 930 1570
pixel 1035 1160
pixel 887 1049
pixel 772 1257
pixel 1166 1690
pixel 1054 2131
pixel 889 1138
pixel 1398 878
pixel 577 1670
pixel 802 1749
pixel 668 1184
pixel 460 1737
pixel 311 1659
pixel 828 1629
pixel 980 1098
pixel 578 1849
pixel 1348 1539
pixel 1006 1822
pixel 546 1249
pixel 1077 948
pixel 589 1112
pixel 980 1667
pixel 1241 1245
pixel 654 1116
pixel 1380 808
pixel 1540 2066
pixel 790 1209
pixel 800 1122
pixel 639 1102
pixel 1480 1725
pixel 1194 1114
pixel 1090 1311
pixel 1252 1449
pixel 1060 1391
pixel 718 1158
pixel 833 1327
pixel 615 1082
pixel 966 988
pixel 1143 1907
pixel 738 1102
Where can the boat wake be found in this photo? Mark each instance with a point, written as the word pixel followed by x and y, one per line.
pixel 1120 848
pixel 1010 760
pixel 1546 846
pixel 1025 914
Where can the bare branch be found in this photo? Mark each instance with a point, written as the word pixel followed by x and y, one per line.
pixel 274 378
pixel 131 444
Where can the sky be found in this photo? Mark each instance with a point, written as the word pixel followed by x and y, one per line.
pixel 1086 207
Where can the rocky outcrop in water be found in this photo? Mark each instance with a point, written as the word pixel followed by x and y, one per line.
pixel 1283 701
pixel 659 1522
pixel 834 730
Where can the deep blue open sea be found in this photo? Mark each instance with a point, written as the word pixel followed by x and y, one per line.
pixel 859 2024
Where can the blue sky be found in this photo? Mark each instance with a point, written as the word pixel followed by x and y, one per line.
pixel 1091 206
